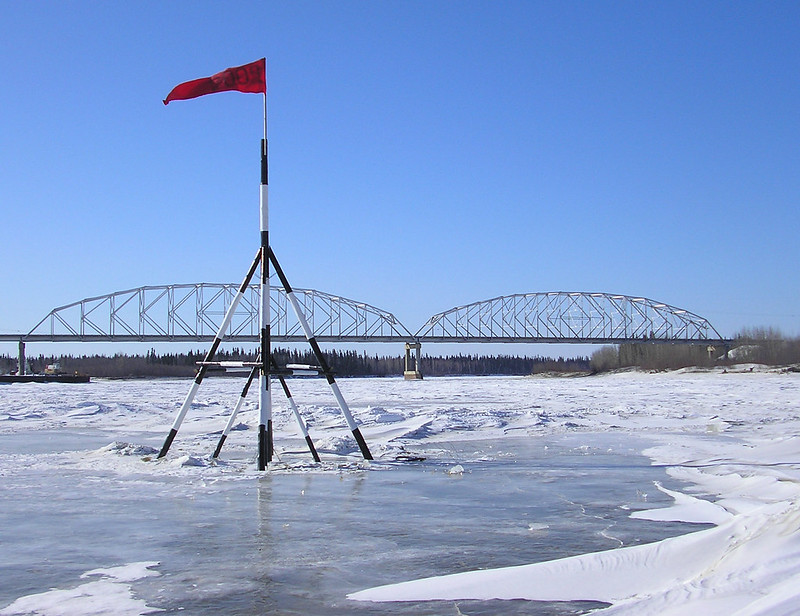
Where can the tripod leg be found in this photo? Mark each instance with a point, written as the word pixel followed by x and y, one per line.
pixel 351 423
pixel 235 412
pixel 296 411
pixel 223 328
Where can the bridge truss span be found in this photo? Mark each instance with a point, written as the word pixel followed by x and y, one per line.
pixel 560 316
pixel 194 312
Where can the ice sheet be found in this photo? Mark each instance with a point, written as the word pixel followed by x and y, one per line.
pixel 550 469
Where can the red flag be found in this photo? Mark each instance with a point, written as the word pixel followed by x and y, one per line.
pixel 247 78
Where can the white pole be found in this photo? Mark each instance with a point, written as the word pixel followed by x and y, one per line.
pixel 265 109
pixel 264 393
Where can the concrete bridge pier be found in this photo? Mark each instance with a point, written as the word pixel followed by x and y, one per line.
pixel 412 371
pixel 21 358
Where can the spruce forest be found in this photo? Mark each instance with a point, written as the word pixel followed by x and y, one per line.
pixel 343 363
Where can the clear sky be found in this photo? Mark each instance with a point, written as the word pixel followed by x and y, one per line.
pixel 423 155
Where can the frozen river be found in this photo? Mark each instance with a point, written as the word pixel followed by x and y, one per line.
pixel 515 471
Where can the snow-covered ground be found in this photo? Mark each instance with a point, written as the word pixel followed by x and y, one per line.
pixel 535 489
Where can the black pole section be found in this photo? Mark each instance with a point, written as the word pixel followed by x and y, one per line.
pixel 220 443
pixel 323 363
pixel 286 391
pixel 264 163
pixel 246 388
pixel 209 357
pixel 167 442
pixel 312 341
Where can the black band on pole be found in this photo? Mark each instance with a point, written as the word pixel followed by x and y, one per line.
pixel 269 440
pixel 250 273
pixel 312 449
pixel 282 380
pixel 21 358
pixel 279 270
pixel 323 363
pixel 167 443
pixel 249 382
pixel 264 163
pixel 219 446
pixel 262 447
pixel 362 444
pixel 265 347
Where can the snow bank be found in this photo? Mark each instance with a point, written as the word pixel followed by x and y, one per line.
pixel 734 566
pixel 748 564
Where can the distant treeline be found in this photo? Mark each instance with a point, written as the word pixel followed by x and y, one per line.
pixel 761 346
pixel 758 346
pixel 343 363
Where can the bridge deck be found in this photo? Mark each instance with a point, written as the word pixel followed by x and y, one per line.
pixel 361 339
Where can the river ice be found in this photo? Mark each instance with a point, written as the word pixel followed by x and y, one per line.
pixel 625 493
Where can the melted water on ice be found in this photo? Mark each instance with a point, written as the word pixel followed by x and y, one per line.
pixel 298 541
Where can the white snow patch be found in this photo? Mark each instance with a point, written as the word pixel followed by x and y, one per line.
pixel 686 509
pixel 187 460
pixel 338 445
pixel 128 449
pixel 110 595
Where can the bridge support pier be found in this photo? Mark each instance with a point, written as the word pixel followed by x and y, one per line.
pixel 21 358
pixel 412 371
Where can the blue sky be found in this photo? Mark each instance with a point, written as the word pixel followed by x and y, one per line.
pixel 423 155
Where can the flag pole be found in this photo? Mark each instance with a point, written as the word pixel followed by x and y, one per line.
pixel 252 78
pixel 265 395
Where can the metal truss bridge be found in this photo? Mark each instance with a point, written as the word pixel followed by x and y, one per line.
pixel 194 312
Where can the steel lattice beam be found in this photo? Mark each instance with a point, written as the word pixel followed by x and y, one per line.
pixel 193 312
pixel 567 317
